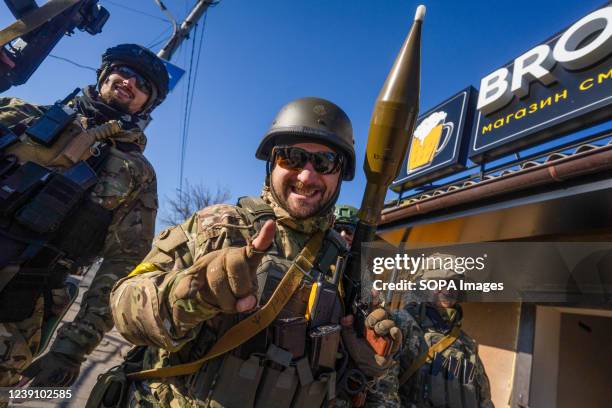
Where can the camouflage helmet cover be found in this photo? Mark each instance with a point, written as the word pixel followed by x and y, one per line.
pixel 345 214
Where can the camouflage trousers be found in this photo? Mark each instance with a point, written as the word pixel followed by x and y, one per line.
pixel 19 342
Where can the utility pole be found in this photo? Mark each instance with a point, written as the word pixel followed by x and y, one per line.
pixel 181 33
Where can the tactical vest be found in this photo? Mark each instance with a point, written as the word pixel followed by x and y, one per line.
pixel 450 379
pixel 48 225
pixel 293 362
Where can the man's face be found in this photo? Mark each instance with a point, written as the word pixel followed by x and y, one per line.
pixel 303 192
pixel 446 297
pixel 120 91
pixel 346 232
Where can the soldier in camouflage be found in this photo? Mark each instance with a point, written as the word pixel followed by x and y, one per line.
pixel 113 218
pixel 455 377
pixel 205 277
pixel 345 222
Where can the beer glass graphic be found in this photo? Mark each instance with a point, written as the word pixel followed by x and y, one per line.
pixel 426 141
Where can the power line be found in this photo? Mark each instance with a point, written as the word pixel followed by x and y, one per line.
pixel 197 67
pixel 191 85
pixel 161 37
pixel 186 116
pixel 73 62
pixel 133 10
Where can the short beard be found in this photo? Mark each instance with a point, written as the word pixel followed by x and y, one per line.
pixel 111 101
pixel 299 213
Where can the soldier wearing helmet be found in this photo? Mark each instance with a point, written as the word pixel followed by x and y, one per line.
pixel 345 222
pixel 76 186
pixel 455 375
pixel 227 267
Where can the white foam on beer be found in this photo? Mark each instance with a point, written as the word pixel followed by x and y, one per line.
pixel 420 13
pixel 428 124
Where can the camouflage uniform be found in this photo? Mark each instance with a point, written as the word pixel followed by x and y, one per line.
pixel 163 310
pixel 127 187
pixel 424 325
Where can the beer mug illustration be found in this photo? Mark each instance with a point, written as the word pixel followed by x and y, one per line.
pixel 426 140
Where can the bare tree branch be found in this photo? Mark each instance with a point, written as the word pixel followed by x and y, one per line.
pixel 194 197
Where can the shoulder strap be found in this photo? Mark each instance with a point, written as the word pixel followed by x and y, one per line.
pixel 439 347
pixel 249 327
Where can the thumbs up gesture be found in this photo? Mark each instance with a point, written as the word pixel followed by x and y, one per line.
pixel 230 282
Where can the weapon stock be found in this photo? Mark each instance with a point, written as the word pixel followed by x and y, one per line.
pixel 391 128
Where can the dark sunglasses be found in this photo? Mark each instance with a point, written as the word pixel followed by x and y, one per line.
pixel 349 229
pixel 141 82
pixel 295 158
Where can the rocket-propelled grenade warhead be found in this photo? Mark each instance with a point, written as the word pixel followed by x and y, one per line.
pixel 392 123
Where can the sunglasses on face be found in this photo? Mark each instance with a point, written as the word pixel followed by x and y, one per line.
pixel 141 82
pixel 348 229
pixel 295 158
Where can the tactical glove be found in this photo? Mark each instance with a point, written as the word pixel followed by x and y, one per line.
pixel 228 278
pixel 362 352
pixel 52 370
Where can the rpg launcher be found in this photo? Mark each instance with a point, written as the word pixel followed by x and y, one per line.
pixel 391 128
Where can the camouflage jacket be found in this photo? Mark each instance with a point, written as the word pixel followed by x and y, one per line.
pixel 127 187
pixel 432 385
pixel 163 310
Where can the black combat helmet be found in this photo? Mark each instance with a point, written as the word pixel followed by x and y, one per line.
pixel 316 120
pixel 143 61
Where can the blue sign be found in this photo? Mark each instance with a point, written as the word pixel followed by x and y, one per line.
pixel 174 72
pixel 439 143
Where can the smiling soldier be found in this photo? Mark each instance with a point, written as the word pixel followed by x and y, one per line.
pixel 221 303
pixel 75 186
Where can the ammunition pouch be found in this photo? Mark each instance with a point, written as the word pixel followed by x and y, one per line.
pixel 238 382
pixel 46 229
pixel 270 381
pixel 17 187
pixel 82 235
pixel 448 380
pixel 111 388
pixel 46 129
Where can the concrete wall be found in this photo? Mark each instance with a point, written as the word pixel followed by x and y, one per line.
pixel 585 355
pixel 495 327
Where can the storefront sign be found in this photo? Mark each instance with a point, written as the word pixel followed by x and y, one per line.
pixel 560 86
pixel 439 145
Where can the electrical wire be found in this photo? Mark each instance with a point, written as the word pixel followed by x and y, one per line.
pixel 197 67
pixel 186 115
pixel 73 62
pixel 191 86
pixel 160 38
pixel 134 10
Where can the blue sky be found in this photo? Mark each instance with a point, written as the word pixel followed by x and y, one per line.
pixel 258 55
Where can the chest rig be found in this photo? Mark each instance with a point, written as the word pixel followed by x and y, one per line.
pixel 48 227
pixel 293 362
pixel 449 379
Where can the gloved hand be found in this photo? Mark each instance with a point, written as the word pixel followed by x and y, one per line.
pixel 362 352
pixel 51 370
pixel 228 278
